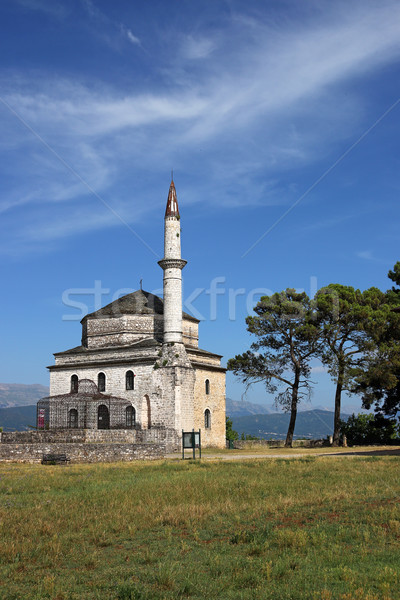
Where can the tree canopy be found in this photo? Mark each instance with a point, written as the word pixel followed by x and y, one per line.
pixel 348 319
pixel 379 381
pixel 287 339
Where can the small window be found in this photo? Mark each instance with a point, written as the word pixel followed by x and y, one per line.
pixel 207 419
pixel 130 417
pixel 130 380
pixel 73 418
pixel 74 384
pixel 101 382
pixel 207 386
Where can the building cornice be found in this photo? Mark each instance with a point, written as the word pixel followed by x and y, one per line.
pixel 103 363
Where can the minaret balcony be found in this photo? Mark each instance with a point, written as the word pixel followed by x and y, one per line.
pixel 172 263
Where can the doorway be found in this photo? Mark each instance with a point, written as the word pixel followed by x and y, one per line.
pixel 103 417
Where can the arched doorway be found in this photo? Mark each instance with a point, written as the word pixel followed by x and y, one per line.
pixel 73 418
pixel 130 417
pixel 146 413
pixel 103 417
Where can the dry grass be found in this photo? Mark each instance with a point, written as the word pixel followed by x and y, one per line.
pixel 271 452
pixel 304 529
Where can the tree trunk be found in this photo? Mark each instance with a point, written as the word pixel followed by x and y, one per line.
pixel 293 412
pixel 338 397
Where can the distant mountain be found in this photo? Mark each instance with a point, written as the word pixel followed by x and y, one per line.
pixel 314 424
pixel 17 418
pixel 18 394
pixel 240 408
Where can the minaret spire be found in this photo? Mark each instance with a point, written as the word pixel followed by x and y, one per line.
pixel 172 265
pixel 172 209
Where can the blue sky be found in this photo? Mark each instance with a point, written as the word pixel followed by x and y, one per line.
pixel 281 121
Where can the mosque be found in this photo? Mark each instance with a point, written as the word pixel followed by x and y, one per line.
pixel 139 365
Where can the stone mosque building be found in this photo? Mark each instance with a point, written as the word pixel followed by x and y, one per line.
pixel 139 366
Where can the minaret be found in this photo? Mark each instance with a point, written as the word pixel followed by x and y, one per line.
pixel 172 265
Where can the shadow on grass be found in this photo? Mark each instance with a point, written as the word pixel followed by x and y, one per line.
pixel 387 452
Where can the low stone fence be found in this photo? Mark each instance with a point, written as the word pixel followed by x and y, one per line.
pixel 88 445
pixel 240 444
pixel 81 452
pixel 154 435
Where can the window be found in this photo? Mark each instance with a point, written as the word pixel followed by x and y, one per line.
pixel 101 382
pixel 207 386
pixel 73 418
pixel 207 419
pixel 74 384
pixel 130 380
pixel 130 417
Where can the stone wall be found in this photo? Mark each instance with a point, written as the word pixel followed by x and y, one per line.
pixel 214 402
pixel 60 383
pixel 123 329
pixel 60 380
pixel 81 452
pixel 190 333
pixel 158 435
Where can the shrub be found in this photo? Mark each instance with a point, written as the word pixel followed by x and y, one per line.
pixel 369 429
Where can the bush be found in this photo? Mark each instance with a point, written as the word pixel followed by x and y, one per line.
pixel 231 434
pixel 246 437
pixel 369 429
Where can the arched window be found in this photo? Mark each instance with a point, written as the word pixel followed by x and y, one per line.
pixel 207 386
pixel 130 380
pixel 74 384
pixel 73 418
pixel 101 382
pixel 130 417
pixel 207 419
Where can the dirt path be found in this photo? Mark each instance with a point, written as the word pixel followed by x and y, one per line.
pixel 249 455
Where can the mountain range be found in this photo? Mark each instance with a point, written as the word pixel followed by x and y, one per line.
pixel 19 394
pixel 18 412
pixel 18 418
pixel 314 424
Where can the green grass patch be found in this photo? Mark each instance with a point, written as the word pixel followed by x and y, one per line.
pixel 313 528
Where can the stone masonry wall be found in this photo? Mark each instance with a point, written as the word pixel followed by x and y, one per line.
pixel 120 330
pixel 190 333
pixel 60 382
pixel 81 452
pixel 215 402
pixel 107 355
pixel 156 435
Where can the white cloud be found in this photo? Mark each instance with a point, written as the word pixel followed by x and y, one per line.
pixel 196 48
pixel 365 255
pixel 319 369
pixel 132 38
pixel 261 99
pixel 53 8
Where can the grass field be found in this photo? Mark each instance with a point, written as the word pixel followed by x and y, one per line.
pixel 312 528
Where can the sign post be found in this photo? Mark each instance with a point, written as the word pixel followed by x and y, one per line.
pixel 191 440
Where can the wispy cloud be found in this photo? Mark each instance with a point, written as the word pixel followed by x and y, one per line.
pixel 194 48
pixel 365 255
pixel 277 88
pixel 54 8
pixel 131 37
pixel 111 27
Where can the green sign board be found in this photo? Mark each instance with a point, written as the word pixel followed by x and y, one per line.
pixel 191 440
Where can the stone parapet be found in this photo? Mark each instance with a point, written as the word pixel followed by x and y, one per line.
pixel 81 452
pixel 162 436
